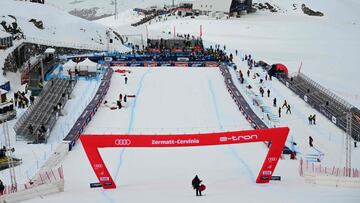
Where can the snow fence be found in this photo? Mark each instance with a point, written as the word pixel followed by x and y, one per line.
pixel 315 173
pixel 45 183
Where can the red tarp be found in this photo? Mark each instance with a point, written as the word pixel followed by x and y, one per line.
pixel 282 67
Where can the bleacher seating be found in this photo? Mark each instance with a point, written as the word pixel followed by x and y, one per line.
pixel 326 102
pixel 42 111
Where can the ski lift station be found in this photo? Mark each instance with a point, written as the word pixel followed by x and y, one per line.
pixel 231 7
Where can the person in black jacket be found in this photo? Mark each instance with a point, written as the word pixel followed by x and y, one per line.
pixel 196 184
pixel 2 188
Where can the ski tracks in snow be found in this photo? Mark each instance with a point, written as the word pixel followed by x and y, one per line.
pixel 131 125
pixel 233 151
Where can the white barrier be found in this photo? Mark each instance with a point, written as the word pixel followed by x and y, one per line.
pixel 39 191
pixel 332 180
pixel 55 159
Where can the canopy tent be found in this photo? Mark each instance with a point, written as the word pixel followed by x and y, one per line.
pixel 70 65
pixel 87 65
pixel 278 68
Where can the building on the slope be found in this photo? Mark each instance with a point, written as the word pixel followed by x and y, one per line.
pixel 6 40
pixel 38 1
pixel 233 7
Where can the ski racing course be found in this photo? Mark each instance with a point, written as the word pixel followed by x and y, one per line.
pixel 179 101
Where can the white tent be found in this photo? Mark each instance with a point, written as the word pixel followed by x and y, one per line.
pixel 70 65
pixel 87 65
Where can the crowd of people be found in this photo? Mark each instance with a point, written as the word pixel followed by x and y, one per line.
pixel 21 101
pixel 259 79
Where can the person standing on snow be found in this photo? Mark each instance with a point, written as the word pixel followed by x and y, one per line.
pixel 314 119
pixel 2 188
pixel 126 79
pixel 285 104
pixel 196 184
pixel 279 112
pixel 288 110
pixel 310 119
pixel 311 141
pixel 268 92
pixel 274 102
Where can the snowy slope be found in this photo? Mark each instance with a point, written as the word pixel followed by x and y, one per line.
pixel 104 7
pixel 326 46
pixel 177 100
pixel 60 28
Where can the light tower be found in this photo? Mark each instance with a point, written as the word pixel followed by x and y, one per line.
pixel 9 155
pixel 348 143
pixel 116 10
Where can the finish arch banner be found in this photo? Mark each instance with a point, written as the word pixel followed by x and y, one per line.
pixel 277 137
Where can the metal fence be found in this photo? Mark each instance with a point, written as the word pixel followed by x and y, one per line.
pixel 56 43
pixel 323 100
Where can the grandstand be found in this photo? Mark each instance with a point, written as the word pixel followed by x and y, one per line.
pixel 244 107
pixel 42 113
pixel 327 103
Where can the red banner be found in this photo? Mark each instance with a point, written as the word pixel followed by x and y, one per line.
pixel 277 136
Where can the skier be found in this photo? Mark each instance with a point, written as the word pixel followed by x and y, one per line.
pixel 125 98
pixel 126 79
pixel 248 73
pixel 310 118
pixel 279 112
pixel 274 102
pixel 266 77
pixel 268 92
pixel 120 97
pixel 285 104
pixel 236 52
pixel 288 110
pixel 311 141
pixel 196 184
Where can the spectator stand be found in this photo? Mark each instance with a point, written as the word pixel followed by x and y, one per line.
pixel 243 105
pixel 323 100
pixel 42 115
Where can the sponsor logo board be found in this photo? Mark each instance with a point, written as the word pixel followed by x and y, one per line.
pixel 122 142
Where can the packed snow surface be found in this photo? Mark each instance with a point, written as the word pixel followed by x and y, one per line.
pixel 177 101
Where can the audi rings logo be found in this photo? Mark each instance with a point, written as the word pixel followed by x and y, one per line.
pixel 122 142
